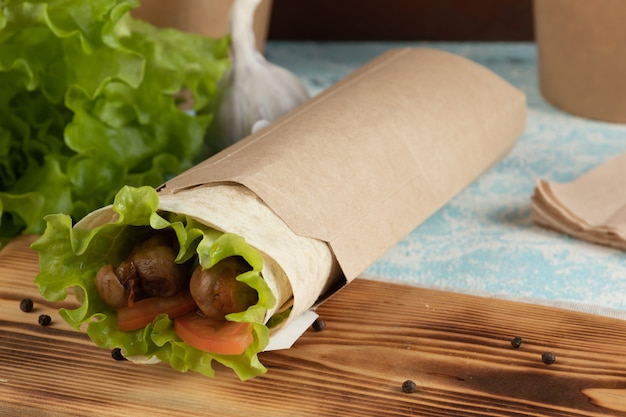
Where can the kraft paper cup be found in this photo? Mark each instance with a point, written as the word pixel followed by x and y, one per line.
pixel 205 17
pixel 581 48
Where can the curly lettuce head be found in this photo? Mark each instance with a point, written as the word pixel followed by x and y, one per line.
pixel 91 102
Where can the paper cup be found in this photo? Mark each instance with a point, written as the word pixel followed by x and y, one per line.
pixel 582 56
pixel 205 17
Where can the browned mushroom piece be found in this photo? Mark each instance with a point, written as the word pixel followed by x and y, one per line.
pixel 159 275
pixel 111 291
pixel 150 270
pixel 126 271
pixel 216 290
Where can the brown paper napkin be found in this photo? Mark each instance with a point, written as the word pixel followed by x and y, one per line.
pixel 592 207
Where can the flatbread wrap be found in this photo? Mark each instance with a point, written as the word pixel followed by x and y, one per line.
pixel 284 218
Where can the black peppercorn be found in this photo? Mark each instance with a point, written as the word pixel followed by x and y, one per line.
pixel 409 386
pixel 45 320
pixel 516 342
pixel 548 358
pixel 319 325
pixel 117 354
pixel 26 305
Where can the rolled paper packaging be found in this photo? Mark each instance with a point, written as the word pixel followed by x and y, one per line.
pixel 581 59
pixel 326 190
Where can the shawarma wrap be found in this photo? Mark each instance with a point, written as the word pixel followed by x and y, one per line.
pixel 270 227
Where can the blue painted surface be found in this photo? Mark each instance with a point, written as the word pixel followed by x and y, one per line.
pixel 483 241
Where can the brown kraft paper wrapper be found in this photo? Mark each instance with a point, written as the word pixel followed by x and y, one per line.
pixel 580 45
pixel 366 161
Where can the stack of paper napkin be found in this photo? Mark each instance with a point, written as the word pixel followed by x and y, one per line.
pixel 593 207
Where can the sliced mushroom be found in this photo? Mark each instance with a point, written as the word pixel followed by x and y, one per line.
pixel 126 271
pixel 159 275
pixel 217 292
pixel 149 271
pixel 112 292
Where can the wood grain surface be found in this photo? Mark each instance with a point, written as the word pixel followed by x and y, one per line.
pixel 456 348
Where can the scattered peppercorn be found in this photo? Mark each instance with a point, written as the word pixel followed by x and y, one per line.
pixel 516 342
pixel 26 305
pixel 409 386
pixel 319 325
pixel 117 354
pixel 548 358
pixel 45 320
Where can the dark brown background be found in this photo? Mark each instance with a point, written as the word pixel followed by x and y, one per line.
pixel 400 20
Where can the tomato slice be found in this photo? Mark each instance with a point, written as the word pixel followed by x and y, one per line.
pixel 222 337
pixel 144 311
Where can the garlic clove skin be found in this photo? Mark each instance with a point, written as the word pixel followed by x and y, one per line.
pixel 259 124
pixel 253 89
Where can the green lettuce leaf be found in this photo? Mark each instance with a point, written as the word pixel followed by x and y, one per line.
pixel 70 257
pixel 91 101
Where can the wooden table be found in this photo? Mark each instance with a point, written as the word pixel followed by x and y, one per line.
pixel 456 348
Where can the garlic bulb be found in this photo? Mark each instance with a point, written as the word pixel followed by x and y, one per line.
pixel 254 91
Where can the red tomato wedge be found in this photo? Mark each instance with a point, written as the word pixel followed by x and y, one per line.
pixel 221 337
pixel 144 311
